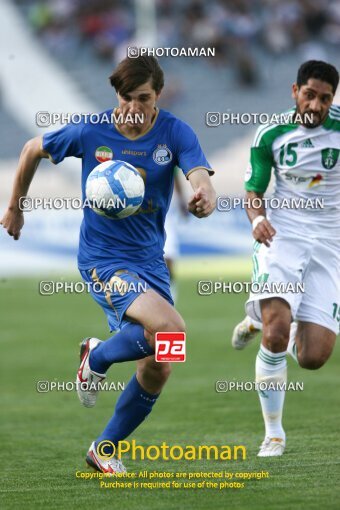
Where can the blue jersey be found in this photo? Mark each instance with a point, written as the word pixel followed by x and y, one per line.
pixel 139 238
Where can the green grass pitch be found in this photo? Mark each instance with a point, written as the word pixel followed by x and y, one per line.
pixel 45 437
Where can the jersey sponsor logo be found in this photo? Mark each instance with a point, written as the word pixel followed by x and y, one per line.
pixel 329 157
pixel 170 347
pixel 162 155
pixel 315 181
pixel 304 182
pixel 103 153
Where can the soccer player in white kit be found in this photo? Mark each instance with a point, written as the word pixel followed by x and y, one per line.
pixel 295 245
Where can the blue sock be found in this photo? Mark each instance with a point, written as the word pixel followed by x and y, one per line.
pixel 127 345
pixel 132 407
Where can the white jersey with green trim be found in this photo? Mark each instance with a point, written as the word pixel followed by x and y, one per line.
pixel 306 164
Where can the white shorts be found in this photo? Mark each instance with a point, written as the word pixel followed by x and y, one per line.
pixel 294 260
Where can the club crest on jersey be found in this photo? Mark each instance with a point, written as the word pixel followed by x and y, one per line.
pixel 329 158
pixel 103 153
pixel 162 155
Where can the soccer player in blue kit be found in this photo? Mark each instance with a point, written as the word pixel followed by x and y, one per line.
pixel 128 250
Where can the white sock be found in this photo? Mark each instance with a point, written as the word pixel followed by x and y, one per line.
pixel 271 368
pixel 291 348
pixel 253 324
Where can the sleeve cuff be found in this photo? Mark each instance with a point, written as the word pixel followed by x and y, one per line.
pixel 49 155
pixel 209 170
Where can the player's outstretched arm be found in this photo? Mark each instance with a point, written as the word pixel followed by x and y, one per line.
pixel 31 154
pixel 263 231
pixel 203 203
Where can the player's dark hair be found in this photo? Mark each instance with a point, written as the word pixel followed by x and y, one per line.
pixel 319 70
pixel 133 72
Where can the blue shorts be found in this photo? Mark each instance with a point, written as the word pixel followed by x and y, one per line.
pixel 114 287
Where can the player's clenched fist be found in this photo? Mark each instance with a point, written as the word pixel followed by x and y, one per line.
pixel 263 232
pixel 202 203
pixel 13 221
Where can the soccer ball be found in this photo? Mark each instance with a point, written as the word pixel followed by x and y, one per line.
pixel 115 189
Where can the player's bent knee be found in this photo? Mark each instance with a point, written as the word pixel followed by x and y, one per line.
pixel 158 373
pixel 276 336
pixel 312 362
pixel 315 345
pixel 170 324
pixel 164 371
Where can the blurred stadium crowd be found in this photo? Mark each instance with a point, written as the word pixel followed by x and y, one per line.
pixel 233 27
